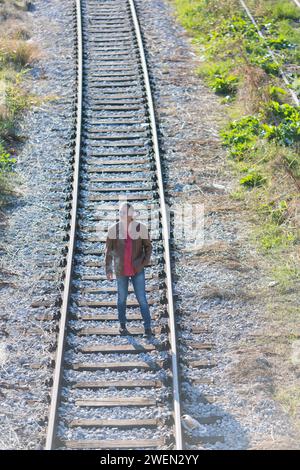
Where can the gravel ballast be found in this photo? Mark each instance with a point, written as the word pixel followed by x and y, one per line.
pixel 219 280
pixel 215 281
pixel 33 238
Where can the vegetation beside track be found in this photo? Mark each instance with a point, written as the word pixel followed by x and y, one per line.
pixel 17 53
pixel 262 133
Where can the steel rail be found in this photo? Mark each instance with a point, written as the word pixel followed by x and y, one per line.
pixel 283 75
pixel 52 420
pixel 165 232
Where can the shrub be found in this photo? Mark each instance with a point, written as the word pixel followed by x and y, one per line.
pixel 267 63
pixel 276 93
pixel 280 43
pixel 284 122
pixel 275 110
pixel 6 161
pixel 241 135
pixel 253 179
pixel 224 85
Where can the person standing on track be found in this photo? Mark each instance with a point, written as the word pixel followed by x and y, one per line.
pixel 129 248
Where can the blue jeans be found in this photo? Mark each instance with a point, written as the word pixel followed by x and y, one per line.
pixel 138 281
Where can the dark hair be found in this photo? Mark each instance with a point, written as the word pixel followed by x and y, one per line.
pixel 128 207
pixel 127 204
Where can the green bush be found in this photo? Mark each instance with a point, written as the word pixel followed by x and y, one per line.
pixel 6 161
pixel 275 110
pixel 276 93
pixel 283 123
pixel 278 122
pixel 260 55
pixel 241 135
pixel 224 85
pixel 234 26
pixel 280 43
pixel 267 63
pixel 253 179
pixel 285 133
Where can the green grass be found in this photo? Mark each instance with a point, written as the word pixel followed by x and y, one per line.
pixel 228 40
pixel 6 161
pixel 274 9
pixel 241 135
pixel 263 131
pixel 286 10
pixel 272 236
pixel 287 273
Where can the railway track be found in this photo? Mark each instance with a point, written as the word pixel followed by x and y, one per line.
pixel 112 392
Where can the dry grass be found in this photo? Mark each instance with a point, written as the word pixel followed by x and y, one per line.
pixel 2 95
pixel 250 366
pixel 15 44
pixel 253 90
pixel 221 253
pixel 16 29
pixel 3 112
pixel 277 444
pixel 18 52
pixel 229 293
pixel 13 9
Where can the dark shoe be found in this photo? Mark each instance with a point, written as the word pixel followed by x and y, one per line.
pixel 123 331
pixel 148 332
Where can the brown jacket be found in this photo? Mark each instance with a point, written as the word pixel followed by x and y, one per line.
pixel 115 244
